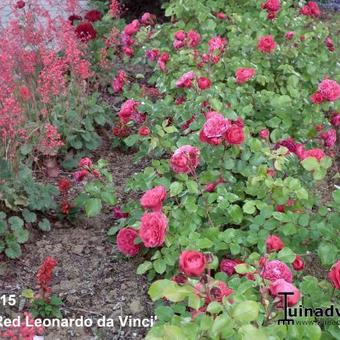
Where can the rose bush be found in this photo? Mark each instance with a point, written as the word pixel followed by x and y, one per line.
pixel 237 147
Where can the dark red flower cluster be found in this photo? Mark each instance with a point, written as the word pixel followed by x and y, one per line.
pixel 93 15
pixel 85 32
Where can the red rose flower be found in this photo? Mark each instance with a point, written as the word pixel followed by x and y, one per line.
pixel 317 98
pixel 274 243
pixel 93 15
pixel 219 291
pixel 20 4
pixel 126 241
pixel 311 10
pixel 266 44
pixel 153 229
pixel 329 44
pixel 153 198
pixel 280 286
pixel 186 80
pixel 244 74
pixel 334 275
pixel 203 83
pixel 289 35
pixel 192 263
pixel 274 270
pixel 118 213
pixel 85 32
pixel 235 135
pixel 119 81
pixel 228 266
pixel 144 131
pixel 129 112
pixel 298 264
pixel 185 159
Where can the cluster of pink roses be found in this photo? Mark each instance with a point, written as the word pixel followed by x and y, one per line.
pixel 299 149
pixel 272 7
pixel 153 224
pixel 132 28
pixel 161 58
pixel 190 39
pixel 217 129
pixel 328 90
pixel 311 9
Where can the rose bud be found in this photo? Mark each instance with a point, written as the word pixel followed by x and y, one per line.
pixel 144 131
pixel 264 134
pixel 180 279
pixel 203 83
pixel 298 264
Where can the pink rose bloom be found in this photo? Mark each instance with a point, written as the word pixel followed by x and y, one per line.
pixel 228 266
pixel 177 44
pixel 185 159
pixel 132 28
pixel 186 80
pixel 192 263
pixel 317 98
pixel 274 243
pixel 289 35
pixel 153 198
pixel 194 38
pixel 272 5
pixel 244 74
pixel 266 44
pixel 128 51
pixel 80 175
pixel 335 119
pixel 329 89
pixel 334 275
pixel 329 138
pixel 281 286
pixel 129 111
pixel 126 241
pixel 180 35
pixel 153 229
pixel 216 43
pixel 85 162
pixel 148 19
pixel 316 153
pixel 163 60
pixel 152 55
pixel 216 126
pixel 264 134
pixel 274 270
pixel 235 135
pixel 119 82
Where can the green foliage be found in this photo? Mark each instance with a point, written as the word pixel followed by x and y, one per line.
pixel 46 309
